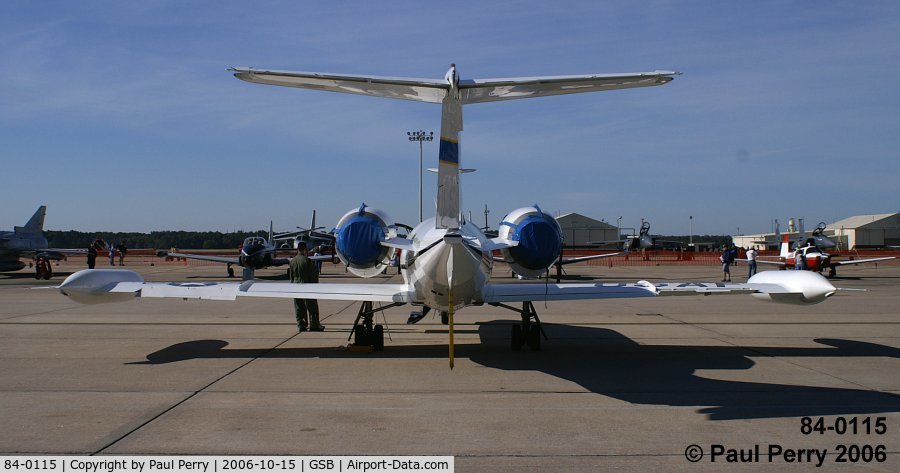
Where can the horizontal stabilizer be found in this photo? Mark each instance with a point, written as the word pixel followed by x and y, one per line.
pixel 470 91
pixel 399 243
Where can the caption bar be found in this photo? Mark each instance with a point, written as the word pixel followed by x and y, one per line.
pixel 224 464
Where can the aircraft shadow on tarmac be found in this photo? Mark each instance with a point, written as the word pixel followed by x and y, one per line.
pixel 605 362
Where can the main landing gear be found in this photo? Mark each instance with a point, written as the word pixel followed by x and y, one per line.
pixel 529 332
pixel 415 317
pixel 230 271
pixel 364 333
pixel 42 269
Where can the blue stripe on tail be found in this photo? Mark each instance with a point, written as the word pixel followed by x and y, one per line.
pixel 449 152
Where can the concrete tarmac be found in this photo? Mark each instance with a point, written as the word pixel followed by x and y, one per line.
pixel 620 384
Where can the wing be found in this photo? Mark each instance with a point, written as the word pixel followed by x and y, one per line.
pixel 54 253
pixel 762 261
pixel 578 259
pixel 790 287
pixel 492 90
pixel 318 258
pixel 861 261
pixel 471 91
pixel 421 90
pixel 216 259
pixel 110 285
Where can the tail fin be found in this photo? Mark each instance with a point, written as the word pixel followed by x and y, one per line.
pixel 448 164
pixel 35 223
pixel 777 231
pixel 312 225
pixel 801 236
pixel 271 233
pixel 785 246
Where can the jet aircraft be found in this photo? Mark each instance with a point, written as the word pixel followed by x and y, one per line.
pixel 446 261
pixel 29 242
pixel 643 240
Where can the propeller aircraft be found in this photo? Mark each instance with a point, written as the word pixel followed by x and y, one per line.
pixel 813 257
pixel 256 253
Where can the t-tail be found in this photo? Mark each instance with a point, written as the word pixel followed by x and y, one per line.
pixel 35 223
pixel 452 93
pixel 448 158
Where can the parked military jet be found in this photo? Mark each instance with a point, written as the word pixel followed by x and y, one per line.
pixel 446 261
pixel 29 242
pixel 641 241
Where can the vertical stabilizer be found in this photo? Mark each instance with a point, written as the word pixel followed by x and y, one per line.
pixel 785 246
pixel 35 223
pixel 448 165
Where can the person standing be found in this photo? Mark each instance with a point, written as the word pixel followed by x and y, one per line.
pixel 121 249
pixel 751 261
pixel 317 251
pixel 727 258
pixel 303 271
pixel 112 253
pixel 92 250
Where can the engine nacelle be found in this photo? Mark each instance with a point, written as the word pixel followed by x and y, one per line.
pixel 539 237
pixel 358 237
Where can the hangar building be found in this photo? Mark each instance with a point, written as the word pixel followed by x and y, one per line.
pixel 578 230
pixel 857 232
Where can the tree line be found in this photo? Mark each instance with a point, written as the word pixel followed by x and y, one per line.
pixel 159 239
pixel 219 240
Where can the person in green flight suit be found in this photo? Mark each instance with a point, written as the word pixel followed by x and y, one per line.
pixel 303 270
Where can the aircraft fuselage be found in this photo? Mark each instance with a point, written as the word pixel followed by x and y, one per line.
pixel 446 267
pixel 815 259
pixel 13 243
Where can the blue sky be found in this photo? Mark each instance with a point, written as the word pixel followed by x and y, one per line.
pixel 121 116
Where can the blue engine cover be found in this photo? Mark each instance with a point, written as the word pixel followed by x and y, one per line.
pixel 540 242
pixel 358 240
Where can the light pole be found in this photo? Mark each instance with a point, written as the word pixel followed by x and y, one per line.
pixel 691 231
pixel 619 228
pixel 420 136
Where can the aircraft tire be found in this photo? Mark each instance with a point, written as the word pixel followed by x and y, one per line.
pixel 534 337
pixel 361 336
pixel 378 338
pixel 517 339
pixel 230 272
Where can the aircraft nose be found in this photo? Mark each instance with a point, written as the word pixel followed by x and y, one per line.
pixel 252 250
